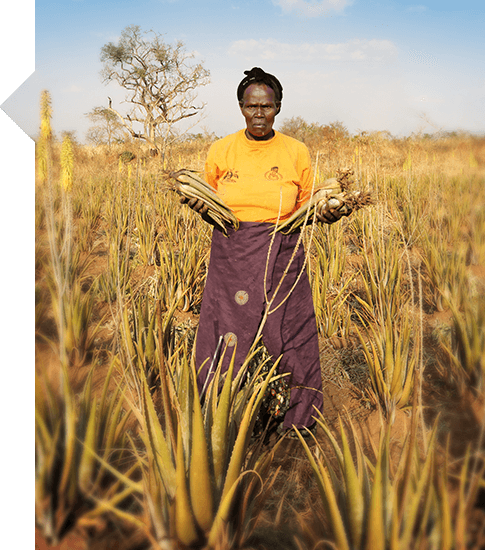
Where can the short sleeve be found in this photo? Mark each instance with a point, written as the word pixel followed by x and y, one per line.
pixel 306 175
pixel 211 169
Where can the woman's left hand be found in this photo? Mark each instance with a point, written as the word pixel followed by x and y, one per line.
pixel 331 215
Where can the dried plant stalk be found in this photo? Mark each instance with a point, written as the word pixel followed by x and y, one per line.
pixel 333 193
pixel 190 185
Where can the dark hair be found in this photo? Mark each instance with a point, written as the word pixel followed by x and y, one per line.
pixel 258 76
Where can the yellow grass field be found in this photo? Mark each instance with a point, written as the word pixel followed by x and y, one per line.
pixel 399 293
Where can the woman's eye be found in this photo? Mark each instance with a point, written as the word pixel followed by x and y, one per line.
pixel 265 108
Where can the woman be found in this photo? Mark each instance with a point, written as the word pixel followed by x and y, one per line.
pixel 263 176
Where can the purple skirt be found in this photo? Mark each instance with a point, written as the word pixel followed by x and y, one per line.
pixel 234 303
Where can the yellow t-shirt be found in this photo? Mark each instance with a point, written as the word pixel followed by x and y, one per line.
pixel 255 178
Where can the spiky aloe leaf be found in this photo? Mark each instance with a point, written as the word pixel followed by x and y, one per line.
pixel 411 515
pixel 200 479
pixel 329 498
pixel 156 442
pixel 67 484
pixel 185 526
pixel 87 461
pixel 220 428
pixel 244 433
pixel 355 499
pixel 376 536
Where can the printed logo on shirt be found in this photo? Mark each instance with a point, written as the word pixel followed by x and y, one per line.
pixel 231 177
pixel 273 174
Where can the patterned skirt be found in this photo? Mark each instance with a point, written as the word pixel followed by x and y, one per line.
pixel 245 271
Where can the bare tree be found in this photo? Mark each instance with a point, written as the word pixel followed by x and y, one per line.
pixel 160 82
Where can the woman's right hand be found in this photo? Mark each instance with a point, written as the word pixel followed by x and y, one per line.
pixel 197 205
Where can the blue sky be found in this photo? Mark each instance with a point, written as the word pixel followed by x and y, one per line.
pixel 373 65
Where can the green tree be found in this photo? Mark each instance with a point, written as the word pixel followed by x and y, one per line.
pixel 107 127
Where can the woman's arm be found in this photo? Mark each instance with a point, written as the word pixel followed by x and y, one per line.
pixel 306 183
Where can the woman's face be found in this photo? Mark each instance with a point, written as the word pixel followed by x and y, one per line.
pixel 259 108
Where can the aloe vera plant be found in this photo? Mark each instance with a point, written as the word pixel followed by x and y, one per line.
pixel 74 309
pixel 78 442
pixel 199 485
pixel 329 285
pixel 371 505
pixel 446 271
pixel 392 357
pixel 183 270
pixel 382 277
pixel 466 350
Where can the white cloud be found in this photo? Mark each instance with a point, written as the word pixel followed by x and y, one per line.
pixel 353 50
pixel 312 8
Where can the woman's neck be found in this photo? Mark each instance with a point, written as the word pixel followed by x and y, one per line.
pixel 259 138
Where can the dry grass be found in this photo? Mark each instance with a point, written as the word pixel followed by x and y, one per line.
pixel 415 262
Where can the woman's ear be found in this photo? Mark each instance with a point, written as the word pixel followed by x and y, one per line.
pixel 278 107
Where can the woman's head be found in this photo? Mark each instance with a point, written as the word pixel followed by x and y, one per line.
pixel 259 95
pixel 258 76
